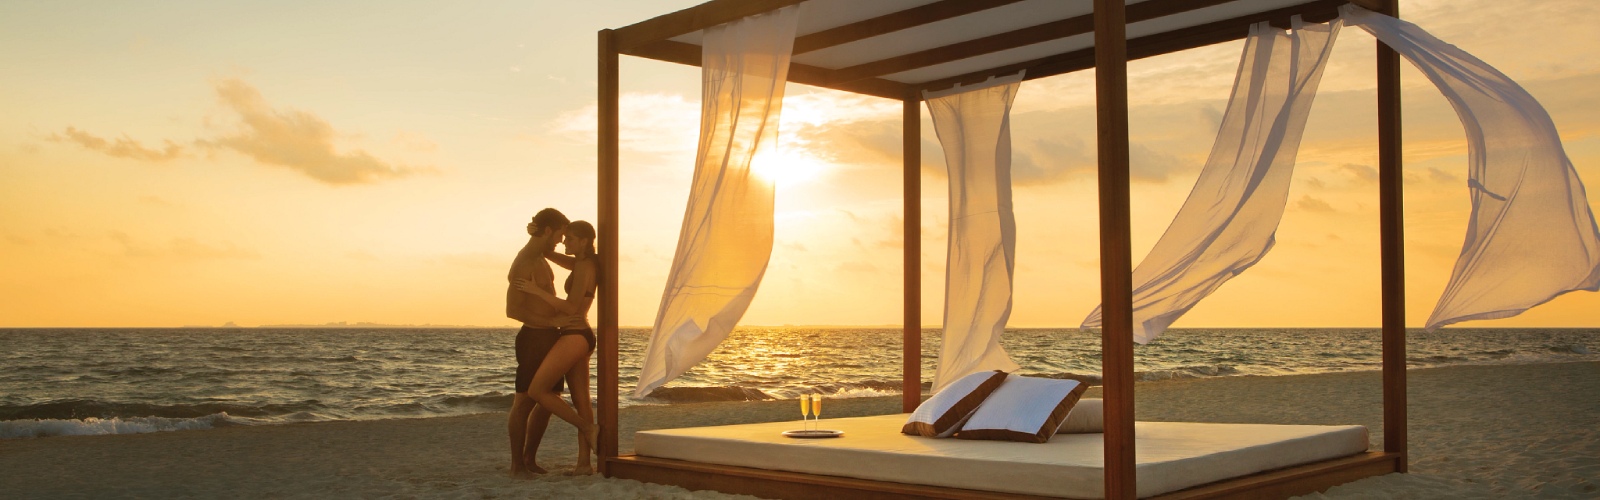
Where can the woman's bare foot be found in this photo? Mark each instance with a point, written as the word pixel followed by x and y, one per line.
pixel 581 470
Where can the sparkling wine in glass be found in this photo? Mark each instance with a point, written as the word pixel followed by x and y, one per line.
pixel 816 407
pixel 805 410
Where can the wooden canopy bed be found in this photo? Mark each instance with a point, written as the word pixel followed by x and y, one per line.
pixel 1161 27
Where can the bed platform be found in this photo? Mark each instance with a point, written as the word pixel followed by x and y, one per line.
pixel 1175 460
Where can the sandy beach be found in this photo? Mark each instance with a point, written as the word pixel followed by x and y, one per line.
pixel 1476 432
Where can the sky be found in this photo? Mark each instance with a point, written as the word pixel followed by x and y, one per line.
pixel 196 163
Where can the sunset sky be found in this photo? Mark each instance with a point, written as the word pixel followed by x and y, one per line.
pixel 195 163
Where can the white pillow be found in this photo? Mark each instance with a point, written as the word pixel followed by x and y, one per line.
pixel 1024 409
pixel 1086 417
pixel 941 415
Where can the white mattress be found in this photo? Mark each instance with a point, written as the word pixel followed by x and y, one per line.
pixel 1171 455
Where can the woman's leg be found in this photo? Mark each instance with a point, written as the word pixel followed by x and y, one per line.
pixel 538 421
pixel 578 382
pixel 569 350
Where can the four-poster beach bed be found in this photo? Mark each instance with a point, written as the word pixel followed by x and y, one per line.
pixel 918 46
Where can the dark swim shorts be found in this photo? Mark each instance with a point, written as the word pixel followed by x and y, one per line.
pixel 533 344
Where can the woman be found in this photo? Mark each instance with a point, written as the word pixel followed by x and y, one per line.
pixel 569 357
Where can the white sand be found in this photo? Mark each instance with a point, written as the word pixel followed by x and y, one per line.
pixel 1476 432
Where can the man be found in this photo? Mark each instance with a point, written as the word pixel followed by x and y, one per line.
pixel 527 422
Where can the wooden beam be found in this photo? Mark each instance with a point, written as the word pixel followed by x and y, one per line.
pixel 911 193
pixel 1053 30
pixel 1381 6
pixel 1116 259
pixel 1151 45
pixel 692 19
pixel 1391 228
pixel 889 23
pixel 1280 483
pixel 606 366
pixel 688 53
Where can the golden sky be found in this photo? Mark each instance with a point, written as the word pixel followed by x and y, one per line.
pixel 194 163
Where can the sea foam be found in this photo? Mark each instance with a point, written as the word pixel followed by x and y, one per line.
pixel 35 428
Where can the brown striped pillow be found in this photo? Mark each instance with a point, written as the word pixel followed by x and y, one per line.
pixel 942 414
pixel 1026 409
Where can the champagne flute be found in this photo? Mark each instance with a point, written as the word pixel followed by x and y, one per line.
pixel 816 408
pixel 805 410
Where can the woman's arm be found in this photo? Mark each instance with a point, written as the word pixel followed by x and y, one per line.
pixel 561 259
pixel 576 304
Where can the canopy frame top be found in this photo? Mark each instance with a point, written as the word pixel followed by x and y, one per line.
pixel 897 48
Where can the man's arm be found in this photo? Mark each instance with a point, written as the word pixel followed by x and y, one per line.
pixel 521 306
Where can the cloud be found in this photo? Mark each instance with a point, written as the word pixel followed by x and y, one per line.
pixel 1437 175
pixel 1309 204
pixel 183 249
pixel 1149 165
pixel 122 147
pixel 294 139
pixel 1045 161
pixel 1361 173
pixel 656 123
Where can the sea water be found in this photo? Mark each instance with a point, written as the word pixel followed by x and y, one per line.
pixel 111 381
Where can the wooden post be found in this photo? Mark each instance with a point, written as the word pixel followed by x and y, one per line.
pixel 606 365
pixel 1392 230
pixel 1116 261
pixel 911 372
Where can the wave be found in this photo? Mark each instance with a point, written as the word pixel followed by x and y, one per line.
pixel 79 409
pixel 708 394
pixel 37 428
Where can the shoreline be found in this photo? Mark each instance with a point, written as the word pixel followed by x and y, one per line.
pixel 50 428
pixel 1476 431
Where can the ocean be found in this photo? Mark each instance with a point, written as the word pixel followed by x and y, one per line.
pixel 110 381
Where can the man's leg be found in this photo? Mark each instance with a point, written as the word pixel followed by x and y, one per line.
pixel 517 427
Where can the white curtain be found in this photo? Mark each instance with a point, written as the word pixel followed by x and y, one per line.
pixel 1531 235
pixel 1229 220
pixel 726 238
pixel 974 127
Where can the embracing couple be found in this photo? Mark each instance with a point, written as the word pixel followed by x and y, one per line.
pixel 555 341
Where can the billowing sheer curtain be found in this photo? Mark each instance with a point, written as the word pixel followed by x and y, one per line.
pixel 1531 235
pixel 726 238
pixel 1229 220
pixel 974 127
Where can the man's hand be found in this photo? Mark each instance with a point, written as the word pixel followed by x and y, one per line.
pixel 566 321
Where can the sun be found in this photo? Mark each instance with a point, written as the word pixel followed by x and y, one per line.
pixel 787 167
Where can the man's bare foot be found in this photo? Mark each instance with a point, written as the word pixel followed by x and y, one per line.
pixel 535 469
pixel 521 473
